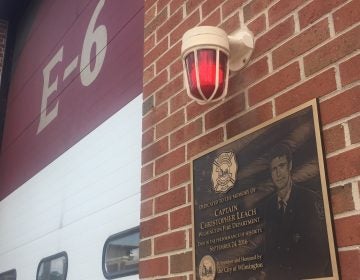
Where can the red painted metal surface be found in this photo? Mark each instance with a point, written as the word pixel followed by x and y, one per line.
pixel 113 34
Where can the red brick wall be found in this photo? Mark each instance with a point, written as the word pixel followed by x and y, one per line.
pixel 3 32
pixel 303 50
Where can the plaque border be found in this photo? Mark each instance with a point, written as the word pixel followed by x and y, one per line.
pixel 313 104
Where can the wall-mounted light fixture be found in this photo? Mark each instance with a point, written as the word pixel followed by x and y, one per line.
pixel 208 54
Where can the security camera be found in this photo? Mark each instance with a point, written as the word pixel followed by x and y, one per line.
pixel 208 54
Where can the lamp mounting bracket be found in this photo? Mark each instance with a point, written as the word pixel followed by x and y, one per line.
pixel 241 45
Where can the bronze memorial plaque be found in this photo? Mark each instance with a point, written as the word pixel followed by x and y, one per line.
pixel 260 208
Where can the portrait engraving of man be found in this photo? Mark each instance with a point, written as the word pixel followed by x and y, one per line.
pixel 295 239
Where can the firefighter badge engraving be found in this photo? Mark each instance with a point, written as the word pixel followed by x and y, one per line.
pixel 224 171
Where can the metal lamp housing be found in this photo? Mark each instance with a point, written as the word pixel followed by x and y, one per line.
pixel 208 56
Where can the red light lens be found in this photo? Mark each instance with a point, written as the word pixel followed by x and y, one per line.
pixel 207 73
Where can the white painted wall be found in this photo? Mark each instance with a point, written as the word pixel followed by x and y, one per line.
pixel 74 204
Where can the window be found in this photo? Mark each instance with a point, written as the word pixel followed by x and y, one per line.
pixel 53 267
pixel 8 275
pixel 121 254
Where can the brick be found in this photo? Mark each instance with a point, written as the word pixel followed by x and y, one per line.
pixel 176 68
pixel 147 105
pixel 213 20
pixel 347 231
pixel 169 25
pixel 210 5
pixel 153 267
pixel 188 23
pixel 175 5
pixel 154 226
pixel 258 25
pixel 316 9
pixel 231 6
pixel 354 128
pixel 169 242
pixel 225 111
pixel 249 120
pixel 248 76
pixel 180 176
pixel 170 200
pixel 148 74
pixel 171 123
pixel 180 218
pixel 145 248
pixel 149 15
pixel 155 187
pixel 155 23
pixel 231 24
pixel 156 115
pixel 342 199
pixel 151 87
pixel 332 51
pixel 194 109
pixel 191 5
pixel 161 4
pixel 146 209
pixel 189 193
pixel 282 8
pixel 340 106
pixel 205 142
pixel 318 86
pixel 148 4
pixel 181 263
pixel 159 50
pixel 170 160
pixel 169 90
pixel 349 264
pixel 301 43
pixel 347 16
pixel 254 8
pixel 186 133
pixel 349 70
pixel 148 137
pixel 178 101
pixel 274 84
pixel 168 57
pixel 344 166
pixel 273 37
pixel 147 172
pixel 334 138
pixel 155 150
pixel 149 43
